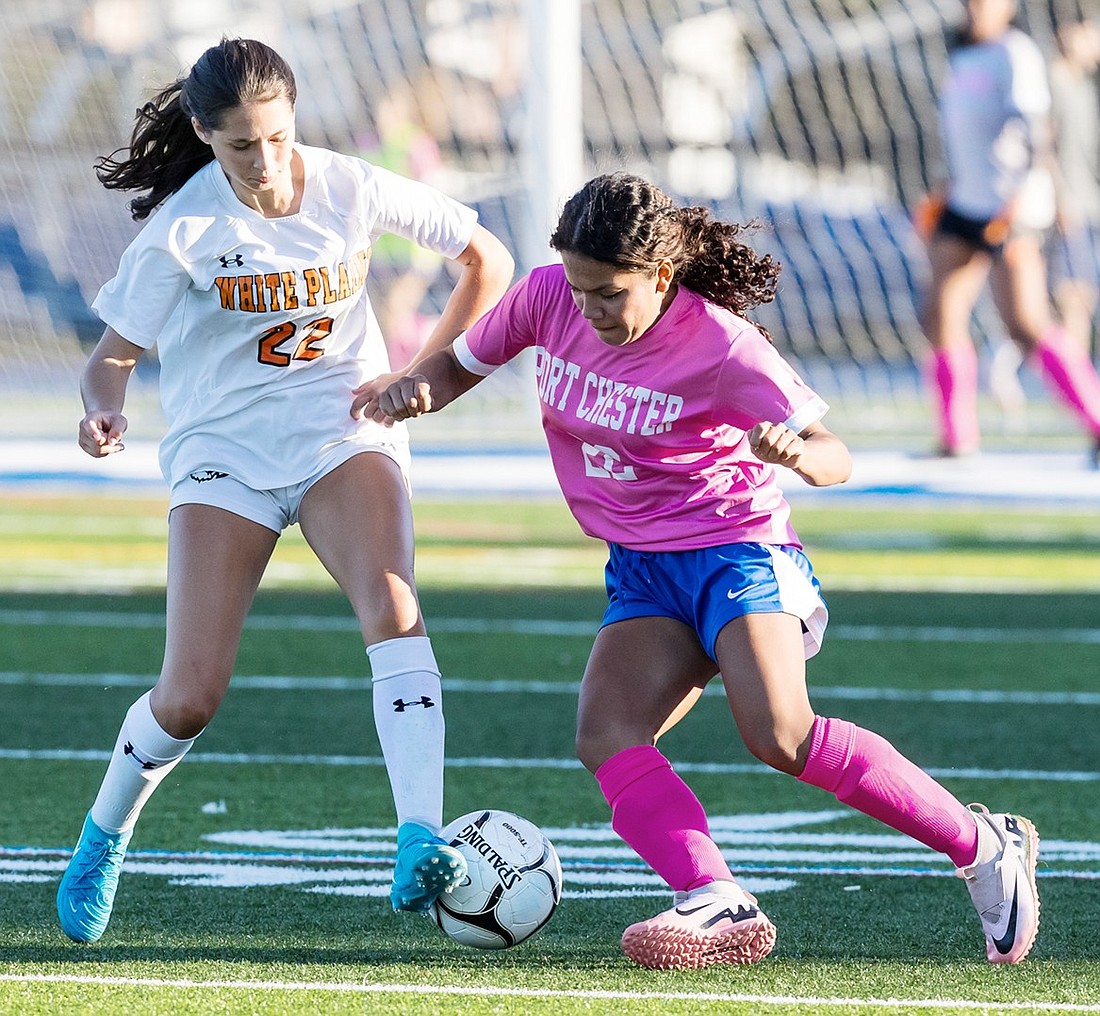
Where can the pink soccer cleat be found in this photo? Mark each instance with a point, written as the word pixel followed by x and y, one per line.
pixel 717 923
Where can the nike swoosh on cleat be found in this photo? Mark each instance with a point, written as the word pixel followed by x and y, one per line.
pixel 688 913
pixel 1006 941
pixel 727 914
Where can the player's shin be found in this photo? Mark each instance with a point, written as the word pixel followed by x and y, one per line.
pixel 657 814
pixel 408 717
pixel 143 756
pixel 868 773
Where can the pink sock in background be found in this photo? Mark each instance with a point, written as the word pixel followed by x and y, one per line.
pixel 1068 370
pixel 657 814
pixel 954 375
pixel 868 773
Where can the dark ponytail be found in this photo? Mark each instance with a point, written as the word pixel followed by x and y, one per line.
pixel 164 151
pixel 625 221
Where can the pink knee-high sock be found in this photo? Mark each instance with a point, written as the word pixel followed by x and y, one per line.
pixel 656 813
pixel 954 375
pixel 867 772
pixel 1068 370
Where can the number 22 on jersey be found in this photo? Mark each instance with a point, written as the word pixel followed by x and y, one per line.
pixel 275 344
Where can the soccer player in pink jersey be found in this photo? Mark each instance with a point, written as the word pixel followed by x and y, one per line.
pixel 667 414
pixel 998 201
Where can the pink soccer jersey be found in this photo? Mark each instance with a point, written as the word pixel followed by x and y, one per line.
pixel 649 440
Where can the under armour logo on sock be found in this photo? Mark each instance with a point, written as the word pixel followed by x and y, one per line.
pixel 400 705
pixel 128 749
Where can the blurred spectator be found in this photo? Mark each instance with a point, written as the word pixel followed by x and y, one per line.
pixel 401 273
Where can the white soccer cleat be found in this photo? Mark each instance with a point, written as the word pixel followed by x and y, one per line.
pixel 717 923
pixel 1002 884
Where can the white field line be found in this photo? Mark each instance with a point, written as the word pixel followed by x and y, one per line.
pixel 301 682
pixel 719 768
pixel 490 991
pixel 586 629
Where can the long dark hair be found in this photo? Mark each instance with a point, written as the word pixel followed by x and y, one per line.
pixel 164 151
pixel 630 223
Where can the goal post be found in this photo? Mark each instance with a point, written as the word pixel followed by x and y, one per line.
pixel 553 157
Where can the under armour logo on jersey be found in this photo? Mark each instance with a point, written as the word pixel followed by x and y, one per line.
pixel 400 705
pixel 237 260
pixel 205 475
pixel 128 749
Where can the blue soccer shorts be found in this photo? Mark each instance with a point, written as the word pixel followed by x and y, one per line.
pixel 709 587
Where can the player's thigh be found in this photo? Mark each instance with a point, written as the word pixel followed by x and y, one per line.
pixel 642 677
pixel 215 562
pixel 1020 291
pixel 358 520
pixel 959 271
pixel 762 656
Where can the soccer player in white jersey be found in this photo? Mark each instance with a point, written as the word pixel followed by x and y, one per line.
pixel 666 414
pixel 998 200
pixel 249 278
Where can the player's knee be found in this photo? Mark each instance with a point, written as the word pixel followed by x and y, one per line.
pixel 590 752
pixel 777 747
pixel 595 745
pixel 184 712
pixel 389 614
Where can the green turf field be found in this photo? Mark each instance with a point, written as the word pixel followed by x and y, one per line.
pixel 256 881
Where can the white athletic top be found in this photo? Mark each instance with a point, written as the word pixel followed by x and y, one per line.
pixel 993 105
pixel 263 326
pixel 649 440
pixel 1076 117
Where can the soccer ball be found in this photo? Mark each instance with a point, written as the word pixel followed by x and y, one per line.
pixel 513 884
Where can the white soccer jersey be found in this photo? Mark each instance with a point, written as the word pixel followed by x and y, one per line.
pixel 993 105
pixel 263 326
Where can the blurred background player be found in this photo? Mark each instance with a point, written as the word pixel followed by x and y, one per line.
pixel 250 278
pixel 665 412
pixel 998 202
pixel 1072 250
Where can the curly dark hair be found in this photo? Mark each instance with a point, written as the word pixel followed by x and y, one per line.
pixel 164 150
pixel 626 221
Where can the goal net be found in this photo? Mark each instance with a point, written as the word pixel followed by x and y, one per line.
pixel 815 117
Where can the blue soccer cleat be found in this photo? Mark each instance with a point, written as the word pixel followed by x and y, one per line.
pixel 427 866
pixel 87 890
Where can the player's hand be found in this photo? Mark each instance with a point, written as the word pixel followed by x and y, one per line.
pixel 366 395
pixel 777 444
pixel 392 397
pixel 100 433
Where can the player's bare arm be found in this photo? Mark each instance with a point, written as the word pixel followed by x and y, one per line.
pixel 816 454
pixel 103 389
pixel 436 382
pixel 486 271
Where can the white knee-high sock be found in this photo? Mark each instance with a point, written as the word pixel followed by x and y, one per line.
pixel 408 715
pixel 144 754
